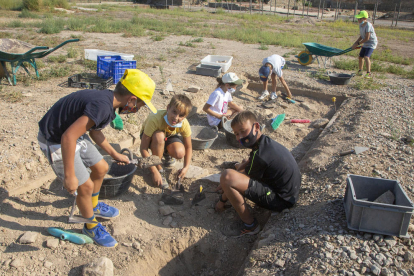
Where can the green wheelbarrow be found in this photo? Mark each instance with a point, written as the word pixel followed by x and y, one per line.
pixel 17 60
pixel 315 50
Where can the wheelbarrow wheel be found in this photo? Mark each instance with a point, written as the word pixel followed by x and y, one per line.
pixel 305 58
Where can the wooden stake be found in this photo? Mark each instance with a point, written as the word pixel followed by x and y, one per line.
pixel 398 14
pixel 393 16
pixel 319 8
pixel 356 7
pixel 288 8
pixel 323 7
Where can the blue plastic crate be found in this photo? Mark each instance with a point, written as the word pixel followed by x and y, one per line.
pixel 104 65
pixel 113 66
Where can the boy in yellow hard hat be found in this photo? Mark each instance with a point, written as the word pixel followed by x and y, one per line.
pixel 368 40
pixel 63 139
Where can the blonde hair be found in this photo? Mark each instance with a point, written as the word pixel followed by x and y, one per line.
pixel 182 103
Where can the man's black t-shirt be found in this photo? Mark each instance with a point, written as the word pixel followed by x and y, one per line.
pixel 272 164
pixel 96 104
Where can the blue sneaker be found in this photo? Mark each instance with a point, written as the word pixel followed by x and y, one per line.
pixel 103 210
pixel 100 236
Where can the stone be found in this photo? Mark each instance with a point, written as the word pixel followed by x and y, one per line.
pixel 28 237
pixel 305 106
pixel 386 198
pixel 409 139
pixel 390 241
pixel 127 244
pixel 353 256
pixel 52 243
pixel 136 138
pixel 166 210
pixel 136 245
pixel 174 224
pixel 48 264
pixel 386 134
pixel 193 89
pixel 213 177
pixel 161 203
pixel 16 263
pixel 284 105
pixel 411 228
pixel 408 256
pixel 385 272
pixel 376 270
pixel 196 172
pixel 279 263
pixel 167 221
pixel 319 123
pixel 99 267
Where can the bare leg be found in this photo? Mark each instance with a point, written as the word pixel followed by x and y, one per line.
pixel 176 150
pixel 157 145
pixel 84 198
pixel 98 173
pixel 234 184
pixel 361 63
pixel 265 85
pixel 274 82
pixel 368 61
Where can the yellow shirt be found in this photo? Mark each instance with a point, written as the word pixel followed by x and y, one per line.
pixel 156 122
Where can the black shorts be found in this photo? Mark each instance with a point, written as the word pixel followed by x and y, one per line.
pixel 168 140
pixel 265 197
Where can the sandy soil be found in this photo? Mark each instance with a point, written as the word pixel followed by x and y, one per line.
pixel 188 241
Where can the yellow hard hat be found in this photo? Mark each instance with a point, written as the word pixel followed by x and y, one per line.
pixel 362 14
pixel 141 85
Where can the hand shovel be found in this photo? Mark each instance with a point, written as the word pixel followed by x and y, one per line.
pixel 199 196
pixel 356 150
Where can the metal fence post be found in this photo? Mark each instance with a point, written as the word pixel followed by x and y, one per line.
pixel 356 7
pixel 398 14
pixel 319 7
pixel 323 7
pixel 393 16
pixel 288 9
pixel 275 6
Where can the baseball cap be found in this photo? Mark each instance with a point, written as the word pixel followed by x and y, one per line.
pixel 139 84
pixel 362 14
pixel 231 78
pixel 264 72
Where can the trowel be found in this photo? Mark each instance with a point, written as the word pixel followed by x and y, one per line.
pixel 176 195
pixel 356 150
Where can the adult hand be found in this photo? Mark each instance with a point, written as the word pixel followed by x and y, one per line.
pixel 71 184
pixel 182 172
pixel 157 178
pixel 219 189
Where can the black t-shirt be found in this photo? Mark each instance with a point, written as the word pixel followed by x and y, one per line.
pixel 272 164
pixel 96 104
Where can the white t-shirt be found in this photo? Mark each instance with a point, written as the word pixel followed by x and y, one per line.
pixel 277 62
pixel 372 41
pixel 219 102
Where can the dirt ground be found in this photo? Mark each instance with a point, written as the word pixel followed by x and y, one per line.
pixel 189 241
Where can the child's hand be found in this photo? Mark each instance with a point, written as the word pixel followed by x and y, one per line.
pixel 71 184
pixel 157 178
pixel 182 172
pixel 219 206
pixel 121 158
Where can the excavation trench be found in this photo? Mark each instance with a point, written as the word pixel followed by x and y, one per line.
pixel 196 245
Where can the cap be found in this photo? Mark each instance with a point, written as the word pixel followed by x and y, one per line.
pixel 139 84
pixel 264 73
pixel 362 14
pixel 231 78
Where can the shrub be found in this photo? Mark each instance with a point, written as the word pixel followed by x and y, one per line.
pixel 56 3
pixel 27 14
pixel 52 26
pixel 11 4
pixel 32 5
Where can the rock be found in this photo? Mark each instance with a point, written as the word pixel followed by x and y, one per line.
pixel 386 135
pixel 376 270
pixel 279 263
pixel 284 105
pixel 28 237
pixel 174 224
pixel 353 256
pixel 408 256
pixel 48 264
pixel 16 263
pixel 213 177
pixel 161 203
pixel 127 244
pixel 409 139
pixel 319 123
pixel 52 243
pixel 367 236
pixel 99 267
pixel 136 245
pixel 196 172
pixel 385 272
pixel 193 89
pixel 411 228
pixel 305 106
pixel 167 221
pixel 390 241
pixel 386 198
pixel 166 210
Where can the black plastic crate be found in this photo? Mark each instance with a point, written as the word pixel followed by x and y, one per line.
pixel 89 81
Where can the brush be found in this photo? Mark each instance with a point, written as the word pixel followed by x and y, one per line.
pixel 276 121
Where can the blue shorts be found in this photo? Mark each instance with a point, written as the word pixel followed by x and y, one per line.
pixel 366 52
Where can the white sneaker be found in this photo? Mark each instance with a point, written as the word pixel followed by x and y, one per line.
pixel 264 95
pixel 273 96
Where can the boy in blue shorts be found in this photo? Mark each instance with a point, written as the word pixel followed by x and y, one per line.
pixel 63 139
pixel 270 177
pixel 369 40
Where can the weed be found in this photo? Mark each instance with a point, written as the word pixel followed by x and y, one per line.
pixel 162 74
pixel 366 84
pixel 56 72
pixel 73 36
pixel 131 120
pixel 212 45
pixel 220 11
pixel 52 26
pixel 187 44
pixel 72 52
pixel 11 97
pixel 90 65
pixel 56 3
pixel 58 59
pixel 162 58
pixel 27 14
pixel 40 64
pixel 200 39
pixel 320 74
pixel 15 24
pixel 158 38
pixel 11 4
pixel 32 5
pixel 263 47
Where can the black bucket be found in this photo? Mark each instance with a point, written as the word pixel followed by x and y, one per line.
pixel 230 137
pixel 121 180
pixel 340 79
